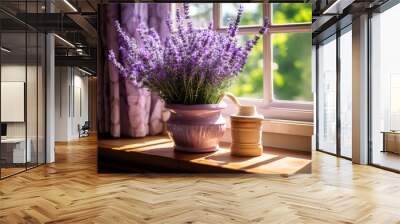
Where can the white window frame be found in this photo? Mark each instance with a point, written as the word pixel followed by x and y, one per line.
pixel 268 106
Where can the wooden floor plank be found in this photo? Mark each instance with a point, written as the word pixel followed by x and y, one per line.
pixel 71 191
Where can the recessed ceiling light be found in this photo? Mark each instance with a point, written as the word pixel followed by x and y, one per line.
pixel 5 50
pixel 64 40
pixel 337 7
pixel 70 5
pixel 84 71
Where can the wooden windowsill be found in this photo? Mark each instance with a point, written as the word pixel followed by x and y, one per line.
pixel 287 127
pixel 157 154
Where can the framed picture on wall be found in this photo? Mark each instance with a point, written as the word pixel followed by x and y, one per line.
pixel 12 101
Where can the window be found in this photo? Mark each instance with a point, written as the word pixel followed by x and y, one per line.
pixel 278 70
pixel 290 68
pixel 252 14
pixel 289 13
pixel 250 82
pixel 385 89
pixel 22 82
pixel 334 86
pixel 327 96
pixel 346 94
pixel 201 13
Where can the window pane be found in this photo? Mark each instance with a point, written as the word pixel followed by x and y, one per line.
pixel 252 14
pixel 327 97
pixel 200 13
pixel 249 83
pixel 385 89
pixel 286 13
pixel 41 98
pixel 31 100
pixel 346 94
pixel 291 66
pixel 14 156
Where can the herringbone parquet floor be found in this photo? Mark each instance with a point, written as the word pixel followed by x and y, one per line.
pixel 71 191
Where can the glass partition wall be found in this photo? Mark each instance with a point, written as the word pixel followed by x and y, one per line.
pixel 345 92
pixel 22 77
pixel 385 89
pixel 326 54
pixel 334 99
pixel 334 94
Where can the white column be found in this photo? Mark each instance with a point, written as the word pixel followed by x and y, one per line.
pixel 50 92
pixel 360 90
pixel 50 99
pixel 314 91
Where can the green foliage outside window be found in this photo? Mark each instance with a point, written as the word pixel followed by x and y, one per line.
pixel 250 82
pixel 287 13
pixel 291 62
pixel 291 66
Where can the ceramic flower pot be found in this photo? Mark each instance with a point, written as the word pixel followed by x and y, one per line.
pixel 196 128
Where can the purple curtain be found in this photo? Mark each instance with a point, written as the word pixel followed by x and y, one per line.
pixel 123 109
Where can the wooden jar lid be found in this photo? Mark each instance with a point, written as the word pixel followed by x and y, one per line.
pixel 256 117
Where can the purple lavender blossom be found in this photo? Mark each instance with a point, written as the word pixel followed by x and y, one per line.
pixel 187 17
pixel 233 25
pixel 169 23
pixel 192 66
pixel 211 25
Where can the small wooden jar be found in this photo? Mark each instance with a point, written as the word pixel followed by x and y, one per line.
pixel 246 130
pixel 246 135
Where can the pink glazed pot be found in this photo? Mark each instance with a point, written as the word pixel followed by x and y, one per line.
pixel 196 128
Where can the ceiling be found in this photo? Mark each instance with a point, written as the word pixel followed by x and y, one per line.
pixel 74 22
pixel 331 15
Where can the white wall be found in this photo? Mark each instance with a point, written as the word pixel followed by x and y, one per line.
pixel 71 102
pixel 80 112
pixel 12 73
pixel 62 81
pixel 33 127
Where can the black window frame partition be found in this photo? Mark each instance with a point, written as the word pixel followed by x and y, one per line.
pixel 324 41
pixel 342 31
pixel 333 33
pixel 43 55
pixel 342 23
pixel 380 9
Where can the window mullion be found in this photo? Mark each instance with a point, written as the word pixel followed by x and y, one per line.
pixel 216 14
pixel 268 92
pixel 267 59
pixel 291 28
pixel 244 29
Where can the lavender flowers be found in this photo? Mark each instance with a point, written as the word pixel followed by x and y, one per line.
pixel 192 66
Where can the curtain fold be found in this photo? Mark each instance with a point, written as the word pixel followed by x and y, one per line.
pixel 124 109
